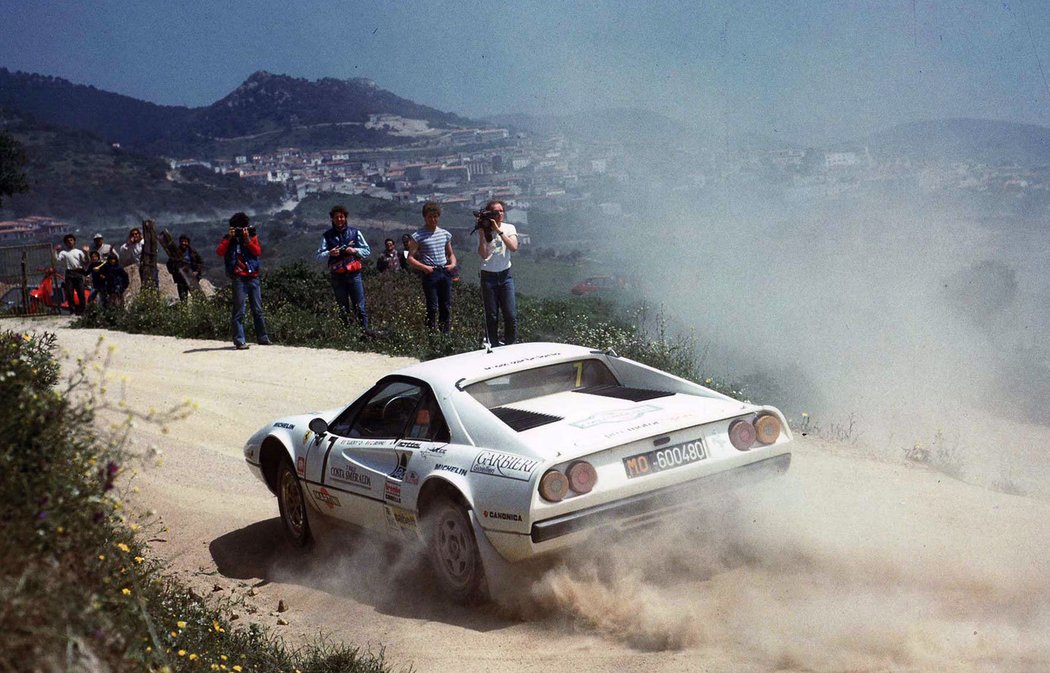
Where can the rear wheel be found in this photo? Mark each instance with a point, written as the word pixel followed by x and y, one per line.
pixel 454 552
pixel 292 505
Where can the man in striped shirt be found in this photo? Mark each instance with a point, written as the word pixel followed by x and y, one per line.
pixel 430 251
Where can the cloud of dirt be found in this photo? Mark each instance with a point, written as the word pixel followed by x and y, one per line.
pixel 858 308
pixel 795 580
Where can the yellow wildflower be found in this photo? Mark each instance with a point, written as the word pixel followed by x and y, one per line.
pixel 123 547
pixel 238 669
pixel 180 624
pixel 126 591
pixel 101 557
pixel 193 657
pixel 139 559
pixel 182 653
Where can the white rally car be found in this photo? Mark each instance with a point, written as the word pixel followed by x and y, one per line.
pixel 520 450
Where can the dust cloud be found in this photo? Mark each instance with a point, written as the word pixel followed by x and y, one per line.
pixel 883 319
pixel 790 580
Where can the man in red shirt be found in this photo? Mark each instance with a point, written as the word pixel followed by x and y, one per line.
pixel 240 250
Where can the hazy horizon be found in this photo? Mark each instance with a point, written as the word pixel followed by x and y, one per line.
pixel 798 71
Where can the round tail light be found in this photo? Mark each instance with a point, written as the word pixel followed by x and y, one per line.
pixel 554 486
pixel 582 476
pixel 742 434
pixel 767 428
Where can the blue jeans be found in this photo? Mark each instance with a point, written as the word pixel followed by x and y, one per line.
pixel 349 287
pixel 437 289
pixel 247 289
pixel 497 291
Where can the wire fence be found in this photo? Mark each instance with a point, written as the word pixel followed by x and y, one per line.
pixel 28 283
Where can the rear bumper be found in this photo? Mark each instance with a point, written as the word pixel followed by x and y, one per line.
pixel 656 502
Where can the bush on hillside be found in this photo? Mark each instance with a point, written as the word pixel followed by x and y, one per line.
pixel 300 310
pixel 77 587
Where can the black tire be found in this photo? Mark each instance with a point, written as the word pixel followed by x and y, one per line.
pixel 293 507
pixel 454 554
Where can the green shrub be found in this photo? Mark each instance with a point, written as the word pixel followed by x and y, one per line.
pixel 301 311
pixel 77 589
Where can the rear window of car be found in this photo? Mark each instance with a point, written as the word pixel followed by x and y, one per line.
pixel 532 383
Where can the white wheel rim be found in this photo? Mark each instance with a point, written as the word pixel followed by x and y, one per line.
pixel 293 504
pixel 454 550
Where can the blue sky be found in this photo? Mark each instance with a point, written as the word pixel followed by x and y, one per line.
pixel 797 69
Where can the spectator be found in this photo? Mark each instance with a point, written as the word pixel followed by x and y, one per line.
pixel 240 251
pixel 95 266
pixel 388 260
pixel 131 251
pixel 114 281
pixel 185 268
pixel 344 247
pixel 432 253
pixel 100 246
pixel 406 252
pixel 497 285
pixel 74 264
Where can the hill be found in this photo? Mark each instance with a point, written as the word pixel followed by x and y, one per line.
pixel 76 176
pixel 266 111
pixel 965 140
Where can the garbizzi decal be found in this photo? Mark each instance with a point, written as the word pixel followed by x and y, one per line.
pixel 286 426
pixel 620 416
pixel 499 464
pixel 350 475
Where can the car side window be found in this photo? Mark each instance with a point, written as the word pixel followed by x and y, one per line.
pixel 341 425
pixel 429 424
pixel 387 412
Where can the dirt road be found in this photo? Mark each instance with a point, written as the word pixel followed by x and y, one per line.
pixel 847 564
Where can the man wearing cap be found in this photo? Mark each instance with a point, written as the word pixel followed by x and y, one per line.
pixel 101 247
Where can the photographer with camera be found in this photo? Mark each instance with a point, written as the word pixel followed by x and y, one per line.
pixel 496 240
pixel 344 248
pixel 431 253
pixel 240 250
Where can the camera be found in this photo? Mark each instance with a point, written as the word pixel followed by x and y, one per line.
pixel 484 220
pixel 244 232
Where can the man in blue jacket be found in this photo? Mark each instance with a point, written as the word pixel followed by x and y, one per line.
pixel 344 249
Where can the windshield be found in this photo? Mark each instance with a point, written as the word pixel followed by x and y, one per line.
pixel 533 383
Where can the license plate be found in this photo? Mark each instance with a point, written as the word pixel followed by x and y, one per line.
pixel 659 460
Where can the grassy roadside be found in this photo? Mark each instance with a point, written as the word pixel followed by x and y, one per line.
pixel 300 311
pixel 78 590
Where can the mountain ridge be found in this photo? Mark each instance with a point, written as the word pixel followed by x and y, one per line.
pixel 262 112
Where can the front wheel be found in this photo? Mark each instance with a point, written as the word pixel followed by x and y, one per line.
pixel 292 504
pixel 454 553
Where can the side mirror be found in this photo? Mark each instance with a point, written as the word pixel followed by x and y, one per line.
pixel 318 426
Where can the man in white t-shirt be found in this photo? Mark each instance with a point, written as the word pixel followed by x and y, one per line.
pixel 497 285
pixel 131 251
pixel 74 263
